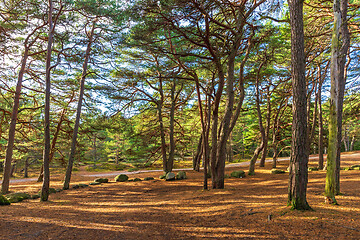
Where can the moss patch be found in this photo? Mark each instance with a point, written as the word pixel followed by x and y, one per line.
pixel 4 201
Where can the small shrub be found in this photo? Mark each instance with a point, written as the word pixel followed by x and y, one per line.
pixel 238 174
pixel 181 175
pixel 148 178
pixel 137 179
pixel 133 169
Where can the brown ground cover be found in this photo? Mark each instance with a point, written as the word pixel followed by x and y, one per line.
pixel 182 210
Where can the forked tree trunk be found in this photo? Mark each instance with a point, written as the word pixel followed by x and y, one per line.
pixel 78 111
pixel 298 171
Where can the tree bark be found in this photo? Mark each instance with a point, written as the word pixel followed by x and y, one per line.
pixel 267 130
pixel 44 195
pixel 321 129
pixel 12 128
pixel 54 140
pixel 339 46
pixel 78 110
pixel 298 173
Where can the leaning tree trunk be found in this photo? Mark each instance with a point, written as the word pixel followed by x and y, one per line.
pixel 339 47
pixel 44 195
pixel 78 111
pixel 12 128
pixel 298 172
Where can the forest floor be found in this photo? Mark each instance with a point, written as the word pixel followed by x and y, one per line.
pixel 180 209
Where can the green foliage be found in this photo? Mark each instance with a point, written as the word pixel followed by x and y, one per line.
pixel 238 174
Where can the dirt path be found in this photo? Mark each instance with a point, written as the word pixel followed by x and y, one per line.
pixel 182 210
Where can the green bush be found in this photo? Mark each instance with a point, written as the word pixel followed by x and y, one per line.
pixel 238 174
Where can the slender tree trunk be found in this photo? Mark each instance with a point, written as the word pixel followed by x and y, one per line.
pixel 78 110
pixel 198 154
pixel 12 128
pixel 261 126
pixel 267 131
pixel 26 167
pixel 321 130
pixel 54 140
pixel 170 161
pixel 339 47
pixel 352 143
pixel 44 195
pixel 298 175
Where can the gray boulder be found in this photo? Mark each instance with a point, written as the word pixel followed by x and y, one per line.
pixel 170 176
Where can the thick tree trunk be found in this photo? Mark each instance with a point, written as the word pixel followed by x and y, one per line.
pixel 44 195
pixel 78 110
pixel 339 47
pixel 298 175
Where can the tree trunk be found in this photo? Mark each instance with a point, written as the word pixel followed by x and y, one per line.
pixel 298 173
pixel 267 131
pixel 12 127
pixel 321 130
pixel 170 161
pixel 198 154
pixel 78 110
pixel 261 126
pixel 44 195
pixel 54 140
pixel 26 167
pixel 339 47
pixel 352 143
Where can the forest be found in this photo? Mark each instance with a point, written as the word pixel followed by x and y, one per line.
pixel 100 86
